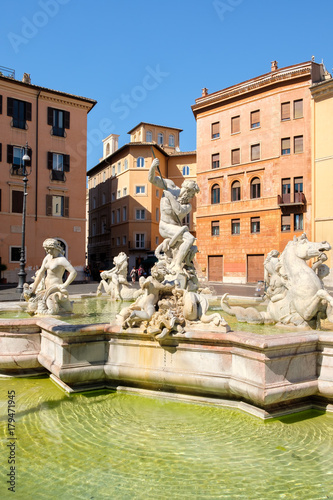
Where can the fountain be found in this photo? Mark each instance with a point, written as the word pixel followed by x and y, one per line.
pixel 167 343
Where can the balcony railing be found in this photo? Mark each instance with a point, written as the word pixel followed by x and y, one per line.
pixel 291 199
pixel 133 246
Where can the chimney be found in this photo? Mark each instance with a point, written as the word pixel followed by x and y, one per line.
pixel 274 66
pixel 26 78
pixel 204 92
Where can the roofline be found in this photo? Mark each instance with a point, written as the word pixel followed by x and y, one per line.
pixel 294 71
pixel 154 125
pixel 93 102
pixel 139 144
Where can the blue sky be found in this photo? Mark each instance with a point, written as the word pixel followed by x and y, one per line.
pixel 149 60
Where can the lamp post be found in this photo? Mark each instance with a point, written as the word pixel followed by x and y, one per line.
pixel 22 274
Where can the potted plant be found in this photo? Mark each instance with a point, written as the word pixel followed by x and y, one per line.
pixel 3 267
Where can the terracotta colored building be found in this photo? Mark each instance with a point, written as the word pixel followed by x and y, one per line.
pixel 54 124
pixel 254 156
pixel 124 208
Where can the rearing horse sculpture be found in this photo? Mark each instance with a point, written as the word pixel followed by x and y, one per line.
pixel 300 297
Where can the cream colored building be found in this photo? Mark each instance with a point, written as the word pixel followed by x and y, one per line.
pixel 322 164
pixel 124 208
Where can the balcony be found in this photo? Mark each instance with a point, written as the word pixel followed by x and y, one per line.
pixel 132 245
pixel 291 199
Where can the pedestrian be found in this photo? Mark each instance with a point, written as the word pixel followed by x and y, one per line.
pixel 87 273
pixel 140 271
pixel 133 274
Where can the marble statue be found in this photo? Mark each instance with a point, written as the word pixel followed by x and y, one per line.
pixel 295 292
pixel 48 295
pixel 114 282
pixel 170 300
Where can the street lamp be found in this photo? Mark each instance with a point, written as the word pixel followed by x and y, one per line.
pixel 22 274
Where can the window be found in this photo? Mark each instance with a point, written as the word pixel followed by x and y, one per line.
pixel 157 193
pixel 157 214
pixel 149 136
pixel 298 187
pixel 20 111
pixel 285 146
pixel 186 170
pixel 187 220
pixel 160 139
pixel 118 215
pixel 94 202
pixel 255 119
pixel 286 190
pixel 104 176
pixel 93 229
pixel 156 240
pixel 235 156
pixel 140 162
pixel 124 213
pixel 112 217
pixel 298 144
pixel 103 225
pixel 255 188
pixel 119 167
pixel 58 164
pixel 298 108
pixel 126 164
pixel 235 226
pixel 171 141
pixel 57 206
pixel 215 228
pixel 215 130
pixel 235 191
pixel 216 160
pixel 215 194
pixel 140 214
pixel 125 191
pixel 15 254
pixel 113 196
pixel 285 222
pixel 235 124
pixel 113 170
pixel 255 152
pixel 124 240
pixel 140 189
pixel 103 198
pixel 118 194
pixel 59 121
pixel 0 151
pixel 285 111
pixel 17 202
pixel 298 222
pixel 139 240
pixel 255 224
pixel 15 158
pixel 118 241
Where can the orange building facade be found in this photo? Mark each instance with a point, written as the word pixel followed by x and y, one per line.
pixel 54 124
pixel 124 207
pixel 253 170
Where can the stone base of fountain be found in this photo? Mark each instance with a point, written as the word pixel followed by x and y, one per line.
pixel 268 376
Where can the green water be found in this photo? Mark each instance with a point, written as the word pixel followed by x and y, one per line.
pixel 106 445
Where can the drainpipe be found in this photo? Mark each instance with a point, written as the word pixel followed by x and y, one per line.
pixel 36 184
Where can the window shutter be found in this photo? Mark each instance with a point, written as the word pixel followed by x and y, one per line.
pixel 298 108
pixel 66 119
pixel 49 160
pixel 285 220
pixel 48 204
pixel 216 129
pixel 285 111
pixel 298 144
pixel 10 106
pixel 9 154
pixel 66 163
pixel 66 206
pixel 235 156
pixel 28 162
pixel 17 202
pixel 235 124
pixel 0 151
pixel 0 104
pixel 285 143
pixel 50 116
pixel 255 152
pixel 255 117
pixel 28 111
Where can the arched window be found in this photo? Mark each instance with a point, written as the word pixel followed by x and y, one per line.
pixel 186 170
pixel 149 136
pixel 126 164
pixel 255 188
pixel 160 139
pixel 140 162
pixel 235 191
pixel 171 140
pixel 215 194
pixel 107 149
